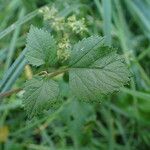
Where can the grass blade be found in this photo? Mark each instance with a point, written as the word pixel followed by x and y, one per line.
pixel 107 20
pixel 12 69
pixel 13 42
pixel 18 23
pixel 137 94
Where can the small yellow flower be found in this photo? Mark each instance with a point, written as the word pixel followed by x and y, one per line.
pixel 77 26
pixel 49 13
pixel 64 46
pixel 58 23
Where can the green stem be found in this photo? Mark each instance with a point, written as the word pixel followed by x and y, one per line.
pixel 57 72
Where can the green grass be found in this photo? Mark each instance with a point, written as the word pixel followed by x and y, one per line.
pixel 120 122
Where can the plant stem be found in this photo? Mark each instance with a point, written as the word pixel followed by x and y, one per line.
pixel 9 93
pixel 50 75
pixel 57 72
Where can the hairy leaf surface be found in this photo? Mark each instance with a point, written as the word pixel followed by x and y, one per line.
pixel 40 94
pixel 98 72
pixel 41 47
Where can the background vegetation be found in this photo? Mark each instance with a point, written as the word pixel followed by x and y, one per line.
pixel 120 122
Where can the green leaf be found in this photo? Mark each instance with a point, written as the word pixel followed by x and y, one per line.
pixel 41 47
pixel 96 70
pixel 84 48
pixel 40 94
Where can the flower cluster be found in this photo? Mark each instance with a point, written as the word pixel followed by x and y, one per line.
pixel 77 26
pixel 51 15
pixel 64 46
pixel 48 13
pixel 60 23
pixel 66 26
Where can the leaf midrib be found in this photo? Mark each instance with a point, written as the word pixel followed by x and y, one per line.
pixel 86 52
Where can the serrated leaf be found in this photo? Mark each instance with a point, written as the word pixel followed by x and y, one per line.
pixel 95 70
pixel 39 94
pixel 85 48
pixel 98 72
pixel 41 47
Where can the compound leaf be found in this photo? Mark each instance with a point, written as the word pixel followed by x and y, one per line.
pixel 97 70
pixel 41 47
pixel 39 94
